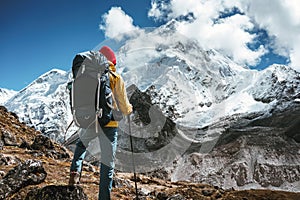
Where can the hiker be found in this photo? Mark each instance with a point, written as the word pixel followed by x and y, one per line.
pixel 107 134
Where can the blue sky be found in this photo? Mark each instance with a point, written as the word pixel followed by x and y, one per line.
pixel 37 36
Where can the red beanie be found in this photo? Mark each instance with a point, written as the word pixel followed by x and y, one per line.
pixel 109 54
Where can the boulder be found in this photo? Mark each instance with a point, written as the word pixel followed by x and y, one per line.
pixel 31 172
pixel 57 192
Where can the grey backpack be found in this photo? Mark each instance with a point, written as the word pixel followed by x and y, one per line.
pixel 91 95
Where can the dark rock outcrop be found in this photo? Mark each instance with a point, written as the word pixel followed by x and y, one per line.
pixel 8 138
pixel 45 145
pixel 57 192
pixel 30 172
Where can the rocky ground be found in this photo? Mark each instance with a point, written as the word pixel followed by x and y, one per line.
pixel 34 167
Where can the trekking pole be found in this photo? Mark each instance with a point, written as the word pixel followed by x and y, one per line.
pixel 67 130
pixel 133 163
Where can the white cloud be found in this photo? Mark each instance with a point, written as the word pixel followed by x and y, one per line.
pixel 229 35
pixel 116 24
pixel 200 9
pixel 156 12
pixel 280 18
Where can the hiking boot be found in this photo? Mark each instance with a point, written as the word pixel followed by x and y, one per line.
pixel 74 178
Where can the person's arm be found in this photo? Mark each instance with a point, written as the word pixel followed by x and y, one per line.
pixel 121 96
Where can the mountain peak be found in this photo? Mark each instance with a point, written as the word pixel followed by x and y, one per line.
pixel 52 74
pixel 6 94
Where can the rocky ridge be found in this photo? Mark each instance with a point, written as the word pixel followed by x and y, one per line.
pixel 252 150
pixel 35 167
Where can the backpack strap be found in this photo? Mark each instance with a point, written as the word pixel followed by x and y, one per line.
pixel 98 110
pixel 114 75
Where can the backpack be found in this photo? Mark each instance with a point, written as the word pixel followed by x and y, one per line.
pixel 90 93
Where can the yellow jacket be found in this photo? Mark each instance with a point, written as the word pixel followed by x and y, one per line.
pixel 119 91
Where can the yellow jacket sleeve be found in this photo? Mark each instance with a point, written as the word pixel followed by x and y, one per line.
pixel 120 95
pixel 119 91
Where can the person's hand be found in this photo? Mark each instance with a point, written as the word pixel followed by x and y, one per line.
pixel 130 110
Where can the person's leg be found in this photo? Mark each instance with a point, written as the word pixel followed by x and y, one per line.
pixel 108 144
pixel 78 157
pixel 85 135
pixel 76 165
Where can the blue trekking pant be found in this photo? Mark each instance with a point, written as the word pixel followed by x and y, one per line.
pixel 108 145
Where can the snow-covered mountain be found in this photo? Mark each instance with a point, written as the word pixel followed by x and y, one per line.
pixel 192 86
pixel 43 104
pixel 196 87
pixel 6 94
pixel 201 91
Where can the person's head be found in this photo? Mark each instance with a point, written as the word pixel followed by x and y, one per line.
pixel 109 54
